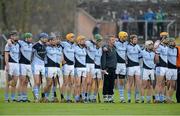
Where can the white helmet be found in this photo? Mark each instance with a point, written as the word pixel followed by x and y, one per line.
pixel 148 42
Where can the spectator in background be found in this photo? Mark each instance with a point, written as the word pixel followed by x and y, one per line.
pixel 125 17
pixel 160 17
pixel 96 29
pixel 150 16
pixel 140 24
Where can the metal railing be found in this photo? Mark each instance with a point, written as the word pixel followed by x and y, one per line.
pixel 167 23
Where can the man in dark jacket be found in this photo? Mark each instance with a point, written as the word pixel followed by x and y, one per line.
pixel 108 62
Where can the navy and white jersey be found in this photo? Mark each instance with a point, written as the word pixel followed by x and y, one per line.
pixel 39 53
pixel 13 50
pixel 97 59
pixel 148 59
pixel 54 56
pixel 162 51
pixel 68 51
pixel 80 56
pixel 25 52
pixel 133 55
pixel 121 48
pixel 91 50
pixel 172 57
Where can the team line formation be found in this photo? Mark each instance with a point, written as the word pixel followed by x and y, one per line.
pixel 77 66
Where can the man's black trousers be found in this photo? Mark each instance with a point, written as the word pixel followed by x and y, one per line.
pixel 108 84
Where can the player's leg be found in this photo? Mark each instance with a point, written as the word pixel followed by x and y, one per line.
pixel 65 86
pixel 89 79
pixel 163 84
pixel 22 83
pixel 95 88
pixel 46 90
pixel 28 74
pixel 9 72
pixel 130 80
pixel 70 82
pixel 8 75
pixel 84 86
pixel 122 82
pixel 20 88
pixel 56 80
pixel 171 78
pixel 77 85
pixel 8 78
pixel 159 79
pixel 143 88
pixel 138 87
pixel 144 84
pixel 150 89
pixel 68 85
pixel 71 86
pixel 14 80
pixel 37 81
pixel 137 83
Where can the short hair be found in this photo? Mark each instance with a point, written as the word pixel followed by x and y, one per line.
pixel 133 36
pixel 109 36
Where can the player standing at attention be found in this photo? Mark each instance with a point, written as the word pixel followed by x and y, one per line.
pixel 97 72
pixel 68 67
pixel 133 55
pixel 171 75
pixel 91 50
pixel 25 65
pixel 80 68
pixel 161 67
pixel 121 47
pixel 148 57
pixel 38 62
pixel 11 65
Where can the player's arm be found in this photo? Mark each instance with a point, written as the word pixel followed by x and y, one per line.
pixel 103 60
pixel 32 55
pixel 63 61
pixel 6 55
pixel 156 58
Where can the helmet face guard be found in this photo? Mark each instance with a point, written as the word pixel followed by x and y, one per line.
pixel 43 37
pixel 79 39
pixel 70 37
pixel 149 45
pixel 28 35
pixel 122 35
pixel 98 37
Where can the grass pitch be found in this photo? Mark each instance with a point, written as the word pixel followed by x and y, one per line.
pixel 86 109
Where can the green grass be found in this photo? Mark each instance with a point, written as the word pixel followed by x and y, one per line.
pixel 86 109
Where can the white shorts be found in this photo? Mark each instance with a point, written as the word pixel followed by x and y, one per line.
pixel 13 69
pixel 134 70
pixel 80 72
pixel 148 74
pixel 53 71
pixel 25 69
pixel 90 68
pixel 36 69
pixel 68 70
pixel 171 74
pixel 97 72
pixel 121 68
pixel 161 71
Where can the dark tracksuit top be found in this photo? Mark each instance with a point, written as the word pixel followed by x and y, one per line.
pixel 108 59
pixel 108 63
